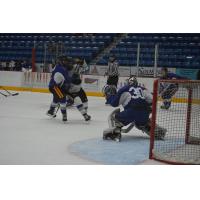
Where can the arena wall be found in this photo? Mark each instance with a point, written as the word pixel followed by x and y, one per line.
pixel 92 84
pixel 38 82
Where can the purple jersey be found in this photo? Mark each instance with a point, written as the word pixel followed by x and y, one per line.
pixel 171 75
pixel 165 87
pixel 135 101
pixel 63 73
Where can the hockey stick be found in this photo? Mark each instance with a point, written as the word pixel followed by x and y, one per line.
pixel 128 128
pixel 11 94
pixel 3 94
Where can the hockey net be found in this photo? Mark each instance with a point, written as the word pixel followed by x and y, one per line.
pixel 182 121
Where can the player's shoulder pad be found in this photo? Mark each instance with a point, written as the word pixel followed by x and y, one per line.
pixel 123 89
pixel 58 77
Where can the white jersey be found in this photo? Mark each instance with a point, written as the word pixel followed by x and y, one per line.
pixel 113 69
pixel 74 88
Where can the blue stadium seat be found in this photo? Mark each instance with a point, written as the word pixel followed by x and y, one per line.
pixel 173 47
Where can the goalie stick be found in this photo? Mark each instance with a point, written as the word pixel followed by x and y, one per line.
pixel 126 130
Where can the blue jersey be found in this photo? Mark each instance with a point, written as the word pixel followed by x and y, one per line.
pixel 135 101
pixel 168 87
pixel 59 76
pixel 171 75
pixel 130 97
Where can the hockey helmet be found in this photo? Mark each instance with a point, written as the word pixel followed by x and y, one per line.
pixel 65 61
pixel 78 61
pixel 132 81
pixel 62 60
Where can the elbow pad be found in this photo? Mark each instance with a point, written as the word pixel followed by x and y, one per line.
pixel 59 78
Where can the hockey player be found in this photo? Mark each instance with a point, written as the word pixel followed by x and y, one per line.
pixel 136 102
pixel 168 90
pixel 58 85
pixel 76 91
pixel 78 70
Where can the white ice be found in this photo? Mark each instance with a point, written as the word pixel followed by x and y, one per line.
pixel 28 136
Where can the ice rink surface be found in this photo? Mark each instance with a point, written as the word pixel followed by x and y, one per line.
pixel 29 136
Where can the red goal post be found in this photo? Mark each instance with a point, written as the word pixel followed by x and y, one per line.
pixel 182 121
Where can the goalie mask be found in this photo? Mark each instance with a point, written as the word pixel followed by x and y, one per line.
pixel 132 81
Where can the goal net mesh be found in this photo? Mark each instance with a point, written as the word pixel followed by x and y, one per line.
pixel 181 144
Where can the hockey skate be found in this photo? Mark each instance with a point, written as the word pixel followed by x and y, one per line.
pixel 160 132
pixel 87 117
pixel 117 136
pixel 165 105
pixel 51 112
pixel 64 118
pixel 112 134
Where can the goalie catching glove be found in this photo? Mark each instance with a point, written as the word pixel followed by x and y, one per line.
pixel 109 90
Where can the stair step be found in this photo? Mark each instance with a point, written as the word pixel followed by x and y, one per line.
pixel 108 48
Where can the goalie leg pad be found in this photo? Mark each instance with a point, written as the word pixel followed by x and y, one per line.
pixel 112 134
pixel 112 121
pixel 115 127
pixel 114 130
pixel 160 132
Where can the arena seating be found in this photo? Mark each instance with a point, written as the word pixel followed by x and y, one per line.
pixel 175 50
pixel 18 46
